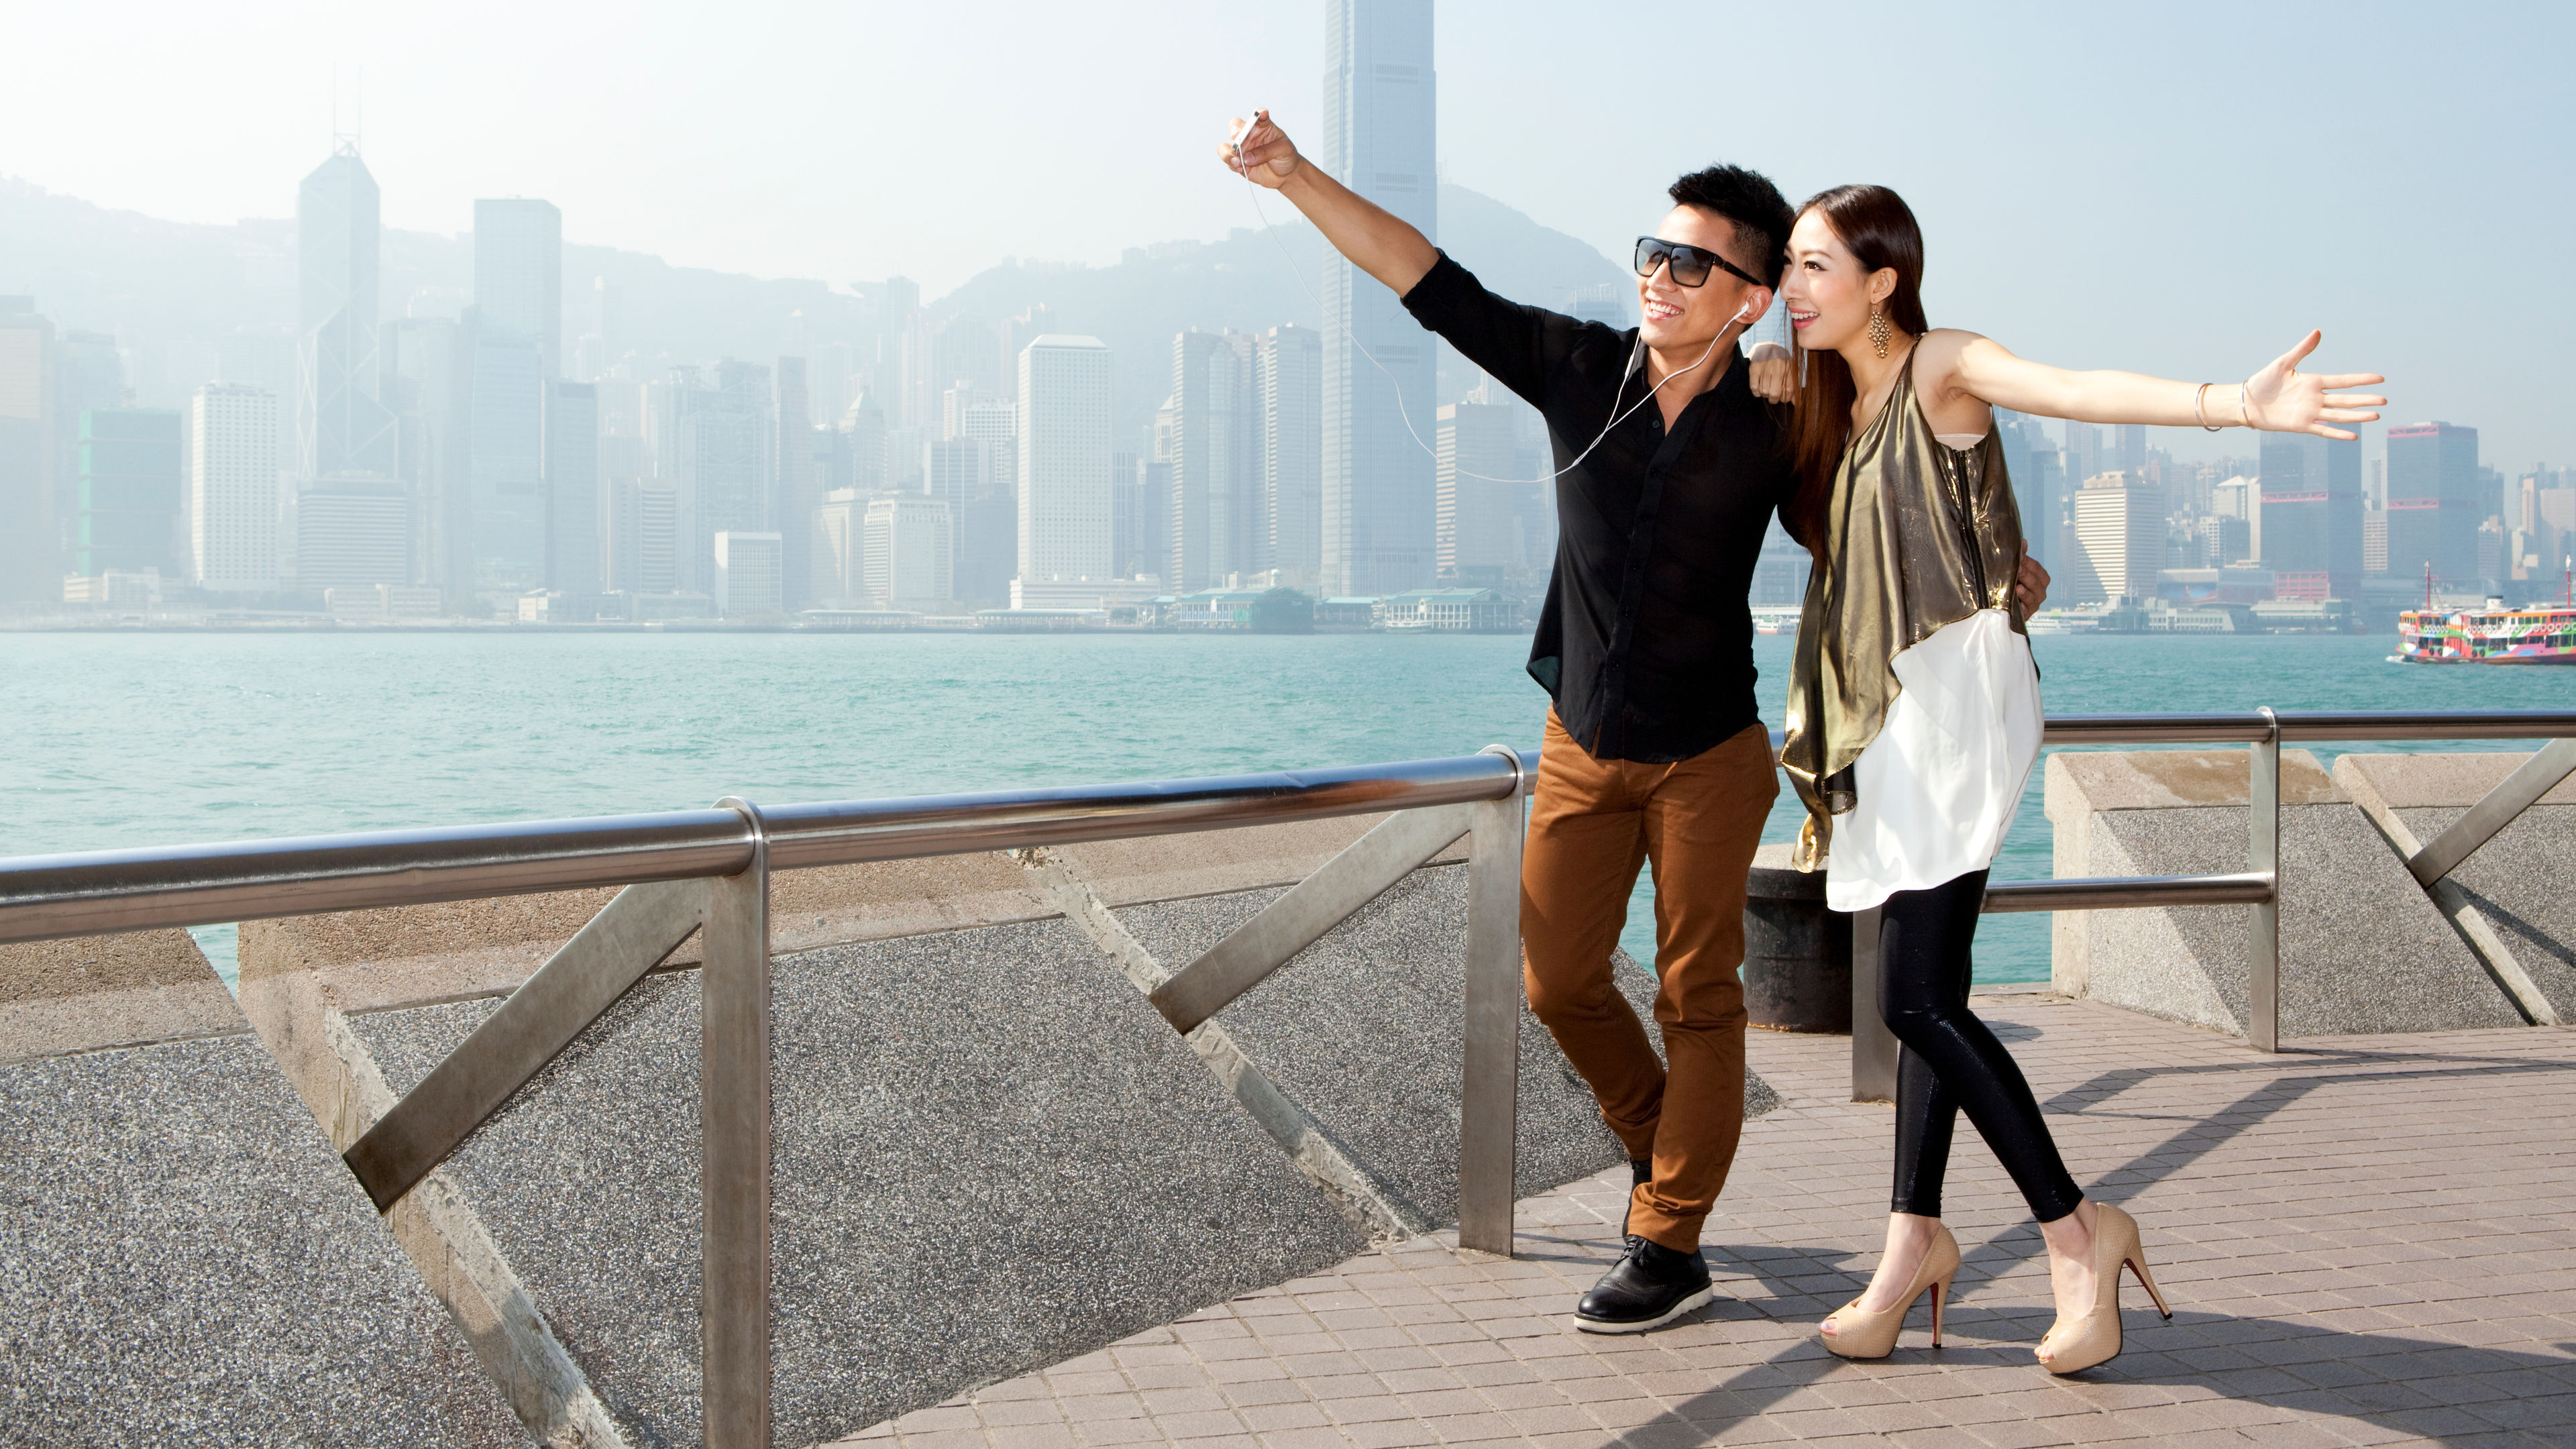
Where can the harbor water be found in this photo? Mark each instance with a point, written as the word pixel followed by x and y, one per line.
pixel 133 738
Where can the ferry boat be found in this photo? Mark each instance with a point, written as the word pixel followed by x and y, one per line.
pixel 2533 634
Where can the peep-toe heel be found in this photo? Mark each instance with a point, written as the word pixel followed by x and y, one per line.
pixel 2095 1338
pixel 1861 1334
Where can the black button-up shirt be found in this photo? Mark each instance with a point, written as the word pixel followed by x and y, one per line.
pixel 1646 640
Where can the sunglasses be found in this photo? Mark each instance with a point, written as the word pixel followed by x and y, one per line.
pixel 1690 264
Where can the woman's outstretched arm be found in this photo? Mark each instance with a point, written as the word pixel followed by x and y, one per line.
pixel 2279 398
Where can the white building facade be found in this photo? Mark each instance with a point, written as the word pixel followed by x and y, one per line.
pixel 750 573
pixel 232 487
pixel 907 553
pixel 1065 505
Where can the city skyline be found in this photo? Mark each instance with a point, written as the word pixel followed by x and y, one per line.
pixel 2181 213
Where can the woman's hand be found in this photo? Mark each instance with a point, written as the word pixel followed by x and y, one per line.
pixel 1770 374
pixel 2282 399
pixel 2030 584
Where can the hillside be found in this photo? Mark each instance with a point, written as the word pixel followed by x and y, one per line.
pixel 156 284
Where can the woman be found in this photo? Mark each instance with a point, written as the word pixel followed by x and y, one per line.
pixel 1914 714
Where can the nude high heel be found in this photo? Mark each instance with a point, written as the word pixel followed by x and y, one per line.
pixel 1873 1335
pixel 2080 1344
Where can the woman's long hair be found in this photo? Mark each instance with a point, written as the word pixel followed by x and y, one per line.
pixel 1879 229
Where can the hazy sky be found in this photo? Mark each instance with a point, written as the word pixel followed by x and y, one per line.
pixel 2178 188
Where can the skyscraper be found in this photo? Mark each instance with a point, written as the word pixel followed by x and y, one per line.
pixel 342 427
pixel 518 275
pixel 797 495
pixel 746 573
pixel 128 492
pixel 1287 399
pixel 1379 140
pixel 232 487
pixel 30 567
pixel 506 448
pixel 572 487
pixel 2312 515
pixel 1064 499
pixel 2433 513
pixel 2120 533
pixel 431 382
pixel 1478 532
pixel 905 554
pixel 1213 457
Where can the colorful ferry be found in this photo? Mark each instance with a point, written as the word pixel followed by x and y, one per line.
pixel 2533 634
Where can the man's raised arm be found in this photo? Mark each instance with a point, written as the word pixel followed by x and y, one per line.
pixel 1375 240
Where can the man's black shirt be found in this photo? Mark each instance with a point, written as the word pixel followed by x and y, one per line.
pixel 1646 640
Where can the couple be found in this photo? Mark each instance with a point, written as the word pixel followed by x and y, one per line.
pixel 1914 714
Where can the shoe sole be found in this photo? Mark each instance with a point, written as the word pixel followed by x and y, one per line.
pixel 1701 1299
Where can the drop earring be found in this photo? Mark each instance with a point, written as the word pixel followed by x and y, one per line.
pixel 1878 332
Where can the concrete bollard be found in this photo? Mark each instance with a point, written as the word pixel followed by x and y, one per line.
pixel 1797 953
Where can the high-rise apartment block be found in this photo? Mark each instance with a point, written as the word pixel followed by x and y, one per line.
pixel 232 488
pixel 1379 139
pixel 1213 460
pixel 1477 527
pixel 1288 404
pixel 748 573
pixel 2312 506
pixel 2119 538
pixel 342 424
pixel 130 486
pixel 2433 503
pixel 1064 446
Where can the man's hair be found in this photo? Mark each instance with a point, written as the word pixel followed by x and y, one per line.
pixel 1747 198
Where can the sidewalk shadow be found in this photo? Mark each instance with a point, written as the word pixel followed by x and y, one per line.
pixel 2443 1392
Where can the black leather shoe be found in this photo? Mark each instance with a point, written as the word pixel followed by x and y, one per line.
pixel 1651 1286
pixel 1643 1170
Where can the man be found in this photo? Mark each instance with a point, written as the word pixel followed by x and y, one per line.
pixel 1655 750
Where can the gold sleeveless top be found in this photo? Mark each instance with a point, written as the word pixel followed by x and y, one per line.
pixel 1918 535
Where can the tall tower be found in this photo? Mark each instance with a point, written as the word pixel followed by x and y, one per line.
pixel 1064 459
pixel 518 275
pixel 1379 135
pixel 29 565
pixel 1213 459
pixel 341 425
pixel 1287 387
pixel 232 488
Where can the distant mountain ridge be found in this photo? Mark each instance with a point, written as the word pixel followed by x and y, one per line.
pixel 154 283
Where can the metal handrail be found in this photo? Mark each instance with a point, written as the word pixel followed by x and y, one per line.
pixel 91 893
pixel 97 892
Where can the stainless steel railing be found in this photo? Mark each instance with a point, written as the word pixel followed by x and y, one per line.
pixel 706 872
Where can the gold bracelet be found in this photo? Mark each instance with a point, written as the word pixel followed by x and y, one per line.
pixel 2198 399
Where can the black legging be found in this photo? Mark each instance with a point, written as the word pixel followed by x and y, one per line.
pixel 1951 1060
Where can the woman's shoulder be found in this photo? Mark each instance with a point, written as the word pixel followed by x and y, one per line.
pixel 1936 357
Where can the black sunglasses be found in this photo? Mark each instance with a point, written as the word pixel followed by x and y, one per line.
pixel 1690 264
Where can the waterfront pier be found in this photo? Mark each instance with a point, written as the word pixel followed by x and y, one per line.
pixel 1206 1111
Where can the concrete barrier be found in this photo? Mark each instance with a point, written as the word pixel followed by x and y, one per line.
pixel 992 1154
pixel 183 1260
pixel 1797 952
pixel 2512 900
pixel 2362 950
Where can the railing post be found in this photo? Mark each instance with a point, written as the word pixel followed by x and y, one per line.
pixel 2263 919
pixel 1874 1048
pixel 733 1119
pixel 1489 1068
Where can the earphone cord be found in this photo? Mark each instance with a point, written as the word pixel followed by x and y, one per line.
pixel 1617 417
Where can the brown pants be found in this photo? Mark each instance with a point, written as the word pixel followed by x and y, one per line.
pixel 1593 823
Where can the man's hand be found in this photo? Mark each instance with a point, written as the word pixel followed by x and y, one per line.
pixel 1770 374
pixel 2030 584
pixel 1260 151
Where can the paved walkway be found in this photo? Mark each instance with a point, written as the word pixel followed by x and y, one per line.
pixel 2366 1240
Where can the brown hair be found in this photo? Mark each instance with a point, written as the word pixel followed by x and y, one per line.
pixel 1880 231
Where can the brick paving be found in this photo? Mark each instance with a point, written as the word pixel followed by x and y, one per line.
pixel 2366 1240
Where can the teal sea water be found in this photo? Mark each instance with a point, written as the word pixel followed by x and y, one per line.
pixel 136 739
